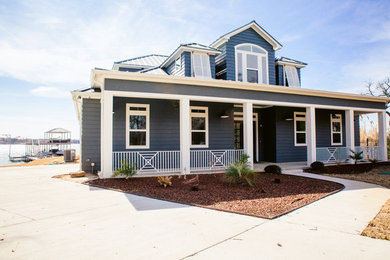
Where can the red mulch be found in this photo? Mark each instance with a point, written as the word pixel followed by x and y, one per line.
pixel 348 168
pixel 265 199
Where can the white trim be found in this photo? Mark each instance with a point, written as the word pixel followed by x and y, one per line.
pixel 256 120
pixel 185 136
pixel 106 134
pixel 336 120
pixel 311 149
pixel 303 119
pixel 98 77
pixel 235 100
pixel 206 131
pixel 382 135
pixel 349 129
pixel 265 35
pixel 259 63
pixel 297 65
pixel 145 113
pixel 247 110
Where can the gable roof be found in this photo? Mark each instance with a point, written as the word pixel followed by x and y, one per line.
pixel 156 71
pixel 291 62
pixel 257 28
pixel 190 47
pixel 147 61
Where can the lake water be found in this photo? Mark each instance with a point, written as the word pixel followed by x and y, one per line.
pixel 19 150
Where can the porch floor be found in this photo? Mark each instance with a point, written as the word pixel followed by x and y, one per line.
pixel 285 166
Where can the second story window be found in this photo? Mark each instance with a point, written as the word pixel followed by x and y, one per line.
pixel 291 75
pixel 201 65
pixel 251 64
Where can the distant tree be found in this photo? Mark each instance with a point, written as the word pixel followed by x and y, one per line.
pixel 380 89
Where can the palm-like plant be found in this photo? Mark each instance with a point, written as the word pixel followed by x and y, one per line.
pixel 356 156
pixel 127 170
pixel 240 170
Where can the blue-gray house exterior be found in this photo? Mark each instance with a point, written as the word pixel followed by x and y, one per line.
pixel 290 124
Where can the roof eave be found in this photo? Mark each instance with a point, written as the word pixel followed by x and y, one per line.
pixel 298 65
pixel 181 49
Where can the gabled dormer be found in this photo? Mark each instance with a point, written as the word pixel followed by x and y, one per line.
pixel 192 60
pixel 248 55
pixel 288 72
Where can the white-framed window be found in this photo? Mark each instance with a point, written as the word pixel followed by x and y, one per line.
pixel 251 63
pixel 178 64
pixel 137 126
pixel 291 75
pixel 201 65
pixel 336 129
pixel 300 128
pixel 199 127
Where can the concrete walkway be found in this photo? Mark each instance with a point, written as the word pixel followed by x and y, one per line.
pixel 45 218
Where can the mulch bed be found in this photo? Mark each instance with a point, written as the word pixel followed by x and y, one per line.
pixel 265 199
pixel 348 168
pixel 379 227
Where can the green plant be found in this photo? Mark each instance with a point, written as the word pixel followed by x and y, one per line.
pixel 127 170
pixel 240 170
pixel 356 156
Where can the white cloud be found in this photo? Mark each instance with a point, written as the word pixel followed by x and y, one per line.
pixel 50 92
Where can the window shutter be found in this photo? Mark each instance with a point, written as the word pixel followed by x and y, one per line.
pixel 292 76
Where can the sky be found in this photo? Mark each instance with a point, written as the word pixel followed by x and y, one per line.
pixel 48 48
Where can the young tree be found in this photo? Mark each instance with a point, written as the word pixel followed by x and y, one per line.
pixel 380 89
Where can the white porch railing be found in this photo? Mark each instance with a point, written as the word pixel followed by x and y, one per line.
pixel 149 161
pixel 341 154
pixel 205 160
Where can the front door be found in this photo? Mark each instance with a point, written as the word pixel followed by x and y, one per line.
pixel 239 135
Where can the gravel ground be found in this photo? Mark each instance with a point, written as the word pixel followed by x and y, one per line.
pixel 266 199
pixel 379 227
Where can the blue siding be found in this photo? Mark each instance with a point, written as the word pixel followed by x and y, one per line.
pixel 299 76
pixel 220 62
pixel 171 67
pixel 90 134
pixel 186 56
pixel 357 131
pixel 323 127
pixel 248 36
pixel 164 124
pixel 279 75
pixel 212 66
pixel 186 89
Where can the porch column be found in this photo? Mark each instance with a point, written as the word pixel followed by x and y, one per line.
pixel 106 134
pixel 185 136
pixel 349 130
pixel 311 135
pixel 248 130
pixel 382 135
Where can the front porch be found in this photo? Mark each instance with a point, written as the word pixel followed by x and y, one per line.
pixel 202 135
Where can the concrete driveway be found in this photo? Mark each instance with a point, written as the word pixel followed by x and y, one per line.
pixel 45 218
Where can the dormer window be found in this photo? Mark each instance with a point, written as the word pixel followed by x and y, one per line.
pixel 251 64
pixel 292 78
pixel 201 65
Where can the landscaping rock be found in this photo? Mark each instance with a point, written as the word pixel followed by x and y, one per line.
pixel 77 174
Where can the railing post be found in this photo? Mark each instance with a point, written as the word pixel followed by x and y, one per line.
pixel 382 135
pixel 248 131
pixel 185 136
pixel 106 134
pixel 311 135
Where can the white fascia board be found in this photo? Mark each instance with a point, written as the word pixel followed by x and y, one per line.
pixel 100 75
pixel 276 46
pixel 130 66
pixel 297 65
pixel 181 49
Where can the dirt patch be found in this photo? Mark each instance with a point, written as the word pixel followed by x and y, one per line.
pixel 66 177
pixel 371 173
pixel 44 161
pixel 379 227
pixel 265 199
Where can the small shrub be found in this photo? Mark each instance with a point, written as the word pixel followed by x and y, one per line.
pixel 277 180
pixel 164 181
pixel 240 170
pixel 373 160
pixel 356 156
pixel 317 166
pixel 273 168
pixel 127 170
